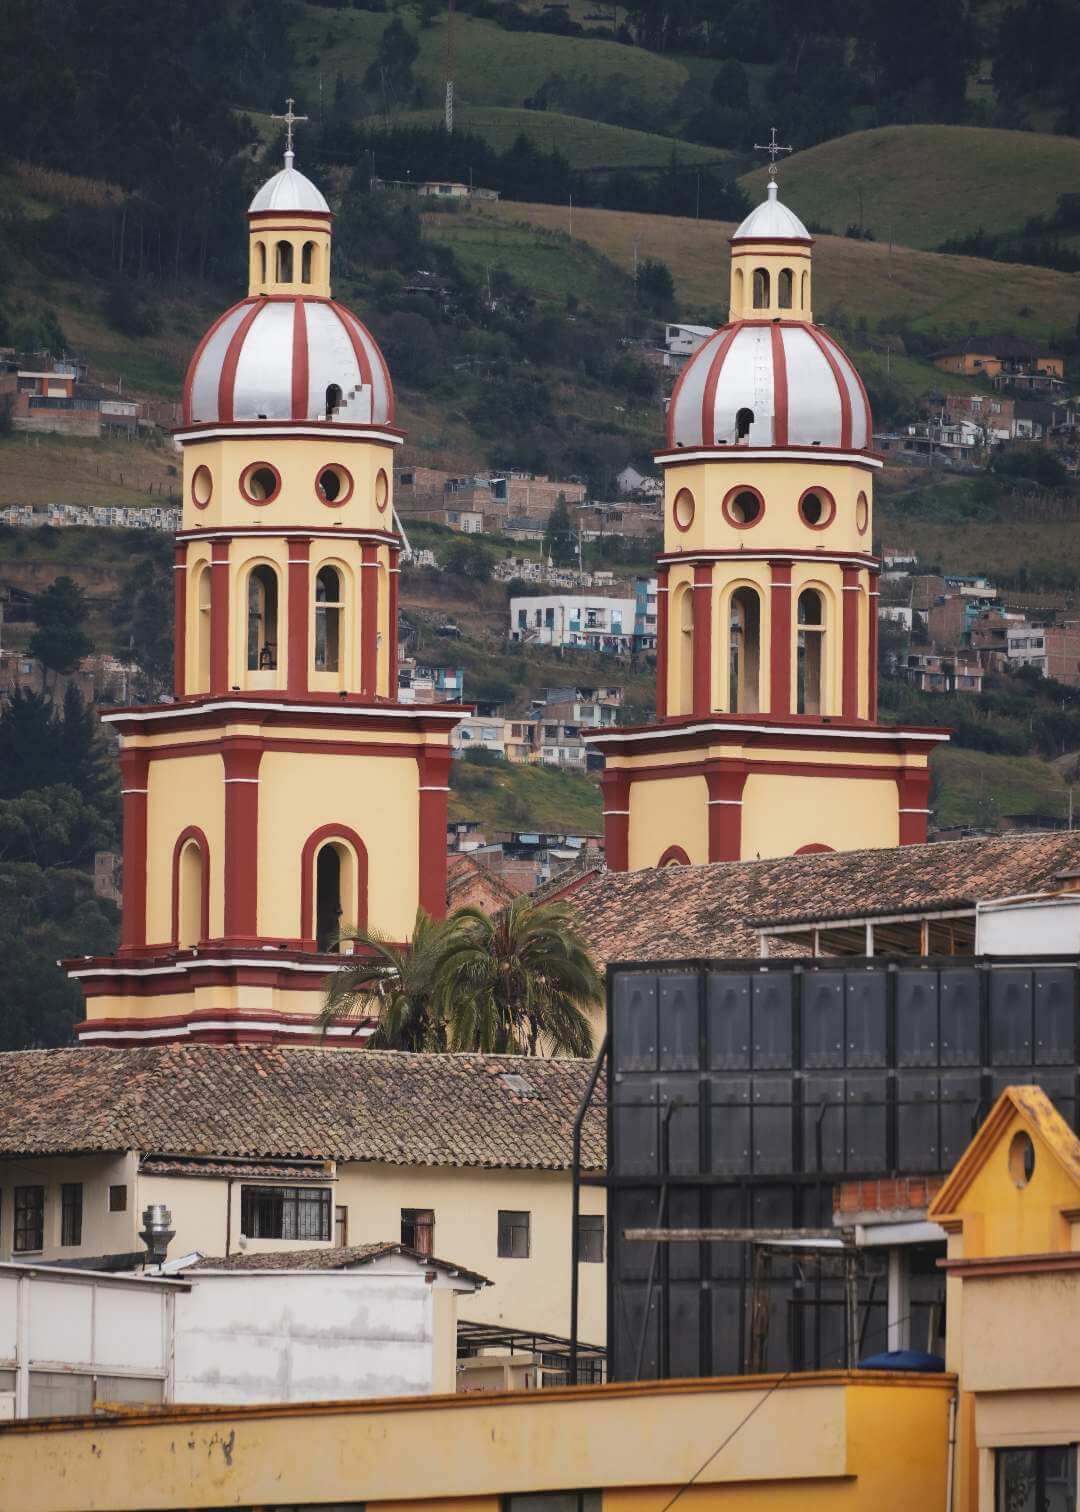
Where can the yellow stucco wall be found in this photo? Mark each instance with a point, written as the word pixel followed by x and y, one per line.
pixel 664 813
pixel 102 1232
pixel 825 1441
pixel 782 814
pixel 774 258
pixel 296 229
pixel 189 790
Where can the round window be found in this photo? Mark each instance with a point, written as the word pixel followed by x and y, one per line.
pixel 682 511
pixel 382 490
pixel 862 513
pixel 334 485
pixel 816 508
pixel 743 507
pixel 1021 1158
pixel 202 487
pixel 260 483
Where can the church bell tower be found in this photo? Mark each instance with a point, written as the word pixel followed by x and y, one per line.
pixel 766 741
pixel 284 795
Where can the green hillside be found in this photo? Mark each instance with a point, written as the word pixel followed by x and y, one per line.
pixel 506 796
pixel 926 184
pixel 860 281
pixel 972 788
pixel 584 144
pixel 494 66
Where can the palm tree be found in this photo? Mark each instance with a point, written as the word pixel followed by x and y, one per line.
pixel 401 985
pixel 518 983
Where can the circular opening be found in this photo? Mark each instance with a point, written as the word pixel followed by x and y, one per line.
pixel 1021 1158
pixel 682 511
pixel 816 508
pixel 202 486
pixel 743 507
pixel 334 485
pixel 862 513
pixel 382 489
pixel 260 483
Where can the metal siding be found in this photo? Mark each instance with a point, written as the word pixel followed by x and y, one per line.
pixel 204 384
pixel 814 414
pixel 262 387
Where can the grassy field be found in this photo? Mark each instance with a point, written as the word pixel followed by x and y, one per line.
pixel 494 66
pixel 971 787
pixel 997 538
pixel 585 144
pixel 861 279
pixel 925 184
pixel 43 469
pixel 506 796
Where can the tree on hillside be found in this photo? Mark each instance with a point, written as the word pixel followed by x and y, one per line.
pixel 60 641
pixel 560 543
pixel 40 746
pixel 467 557
pixel 656 287
pixel 391 72
pixel 142 615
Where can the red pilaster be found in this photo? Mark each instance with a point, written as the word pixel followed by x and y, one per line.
pixel 392 627
pixel 703 573
pixel 615 786
pixel 241 755
pixel 219 617
pixel 180 618
pixel 849 687
pixel 662 596
pixel 913 785
pixel 369 622
pixel 299 613
pixel 134 781
pixel 725 785
pixel 780 640
pixel 872 648
pixel 433 763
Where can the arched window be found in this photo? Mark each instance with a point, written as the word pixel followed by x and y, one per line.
pixel 333 399
pixel 262 608
pixel 744 656
pixel 283 264
pixel 328 610
pixel 785 285
pixel 191 889
pixel 674 856
pixel 738 289
pixel 307 262
pixel 811 652
pixel 333 891
pixel 260 261
pixel 762 289
pixel 684 649
pixel 744 419
pixel 202 629
pixel 804 296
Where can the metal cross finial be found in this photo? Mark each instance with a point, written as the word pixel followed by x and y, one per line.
pixel 291 120
pixel 773 148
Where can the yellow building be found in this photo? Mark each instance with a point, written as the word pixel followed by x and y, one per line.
pixel 284 794
pixel 767 741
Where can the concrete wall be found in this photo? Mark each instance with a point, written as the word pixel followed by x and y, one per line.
pixel 103 1233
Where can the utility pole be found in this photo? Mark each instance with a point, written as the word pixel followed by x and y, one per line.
pixel 450 67
pixel 571 214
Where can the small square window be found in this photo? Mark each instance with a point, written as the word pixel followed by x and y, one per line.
pixel 513 1235
pixel 418 1229
pixel 591 1238
pixel 118 1199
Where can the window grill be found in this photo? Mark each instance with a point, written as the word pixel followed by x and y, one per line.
pixel 285 1213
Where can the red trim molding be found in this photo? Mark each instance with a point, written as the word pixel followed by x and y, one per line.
pixel 780 389
pixel 299 395
pixel 725 508
pixel 193 832
pixel 299 548
pixel 615 786
pixel 134 780
pixel 674 856
pixel 241 755
pixel 814 849
pixel 702 606
pixel 227 380
pixel 852 597
pixel 872 648
pixel 725 787
pixel 828 510
pixel 369 621
pixel 913 788
pixel 346 493
pixel 219 618
pixel 392 619
pixel 312 845
pixel 780 639
pixel 708 396
pixel 180 595
pixel 433 766
pixel 193 365
pixel 663 573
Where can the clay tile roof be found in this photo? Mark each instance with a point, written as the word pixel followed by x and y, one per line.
pixel 682 912
pixel 267 1102
pixel 333 1257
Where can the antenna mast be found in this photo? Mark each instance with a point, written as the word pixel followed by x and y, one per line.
pixel 450 68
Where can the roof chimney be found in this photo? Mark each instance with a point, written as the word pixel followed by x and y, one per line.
pixel 156 1233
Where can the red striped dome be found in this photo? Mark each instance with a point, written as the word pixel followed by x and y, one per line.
pixel 288 359
pixel 799 387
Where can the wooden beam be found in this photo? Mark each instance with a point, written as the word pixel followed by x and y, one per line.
pixel 734 1235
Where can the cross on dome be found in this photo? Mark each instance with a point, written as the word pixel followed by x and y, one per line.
pixel 773 148
pixel 290 121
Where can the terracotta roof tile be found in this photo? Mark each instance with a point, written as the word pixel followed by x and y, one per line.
pixel 331 1257
pixel 266 1102
pixel 679 912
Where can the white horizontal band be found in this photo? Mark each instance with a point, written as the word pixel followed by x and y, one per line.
pixel 242 779
pixel 337 711
pixel 717 727
pixel 184 1031
pixel 270 429
pixel 431 788
pixel 768 454
pixel 851 588
pixel 615 813
pixel 128 792
pixel 725 802
pixel 915 811
pixel 269 959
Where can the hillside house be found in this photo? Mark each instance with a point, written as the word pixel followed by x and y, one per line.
pixel 57 397
pixel 1063 652
pixel 682 341
pixel 932 672
pixel 631 482
pixel 477 732
pixel 420 684
pixel 1007 361
pixel 568 620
